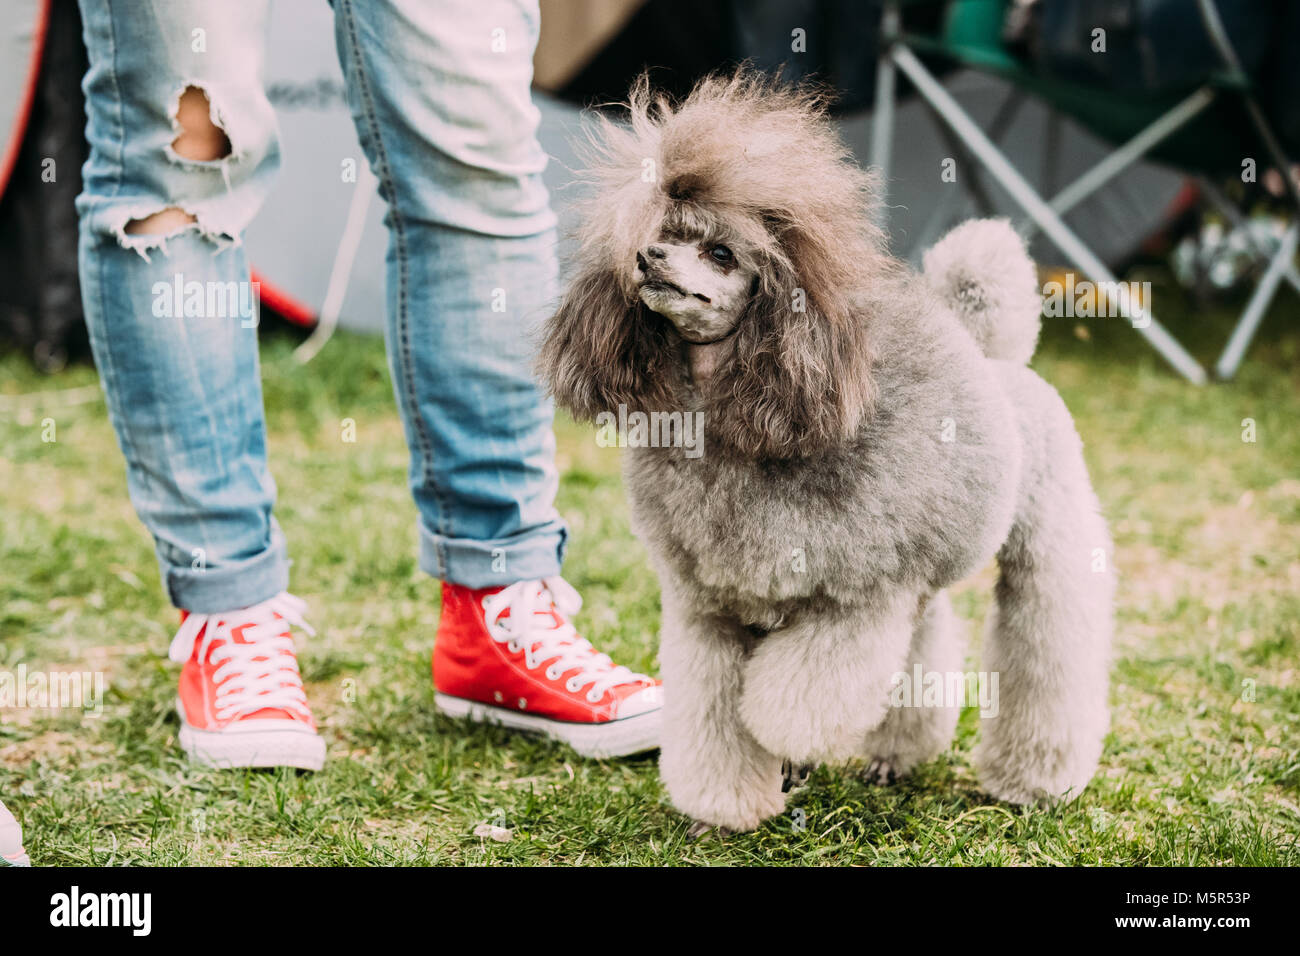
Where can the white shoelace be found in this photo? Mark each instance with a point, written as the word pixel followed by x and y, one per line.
pixel 531 628
pixel 246 685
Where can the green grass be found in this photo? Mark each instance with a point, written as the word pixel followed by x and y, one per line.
pixel 1193 772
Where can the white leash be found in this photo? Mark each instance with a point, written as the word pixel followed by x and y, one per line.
pixel 341 271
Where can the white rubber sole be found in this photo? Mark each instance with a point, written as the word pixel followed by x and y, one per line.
pixel 11 840
pixel 614 738
pixel 262 743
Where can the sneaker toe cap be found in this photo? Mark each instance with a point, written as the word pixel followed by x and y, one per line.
pixel 642 701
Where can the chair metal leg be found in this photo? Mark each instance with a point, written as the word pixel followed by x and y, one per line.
pixel 1260 300
pixel 1230 360
pixel 1219 37
pixel 1041 213
pixel 1137 147
pixel 1237 218
pixel 955 199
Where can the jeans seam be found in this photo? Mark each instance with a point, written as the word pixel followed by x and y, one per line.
pixel 398 227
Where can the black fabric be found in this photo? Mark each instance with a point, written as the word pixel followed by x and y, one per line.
pixel 681 40
pixel 840 39
pixel 1158 47
pixel 1280 80
pixel 1152 46
pixel 40 297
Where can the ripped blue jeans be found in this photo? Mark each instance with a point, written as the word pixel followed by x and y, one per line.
pixel 439 93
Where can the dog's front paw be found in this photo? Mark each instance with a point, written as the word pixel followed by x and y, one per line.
pixel 793 777
pixel 727 795
pixel 904 742
pixel 1036 769
pixel 881 771
pixel 723 814
pixel 699 831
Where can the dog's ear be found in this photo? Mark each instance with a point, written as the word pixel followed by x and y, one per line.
pixel 603 349
pixel 800 376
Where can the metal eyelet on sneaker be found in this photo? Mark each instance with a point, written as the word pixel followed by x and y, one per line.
pixel 553 674
pixel 571 685
pixel 594 700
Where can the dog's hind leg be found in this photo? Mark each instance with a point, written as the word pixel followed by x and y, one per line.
pixel 1049 635
pixel 714 770
pixel 921 730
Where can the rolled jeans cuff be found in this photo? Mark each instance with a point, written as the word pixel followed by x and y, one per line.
pixel 477 563
pixel 236 584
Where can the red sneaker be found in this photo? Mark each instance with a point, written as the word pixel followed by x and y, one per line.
pixel 11 841
pixel 241 699
pixel 510 656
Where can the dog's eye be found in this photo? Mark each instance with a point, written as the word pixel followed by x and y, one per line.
pixel 721 254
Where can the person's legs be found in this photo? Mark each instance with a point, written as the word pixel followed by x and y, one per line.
pixel 183 148
pixel 182 151
pixel 448 126
pixel 440 95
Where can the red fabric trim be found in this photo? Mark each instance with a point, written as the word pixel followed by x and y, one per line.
pixel 25 110
pixel 295 310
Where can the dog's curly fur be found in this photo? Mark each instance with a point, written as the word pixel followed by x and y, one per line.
pixel 872 436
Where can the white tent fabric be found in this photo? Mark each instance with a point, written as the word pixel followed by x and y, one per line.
pixel 21 33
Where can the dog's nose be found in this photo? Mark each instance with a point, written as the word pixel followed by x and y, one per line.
pixel 641 263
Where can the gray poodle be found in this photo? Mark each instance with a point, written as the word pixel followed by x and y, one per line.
pixel 870 437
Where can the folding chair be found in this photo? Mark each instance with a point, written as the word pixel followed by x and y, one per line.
pixel 1197 130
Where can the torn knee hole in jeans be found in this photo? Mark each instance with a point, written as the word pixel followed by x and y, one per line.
pixel 145 230
pixel 201 142
pixel 201 135
pixel 165 222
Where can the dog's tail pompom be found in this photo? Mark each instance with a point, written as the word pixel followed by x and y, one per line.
pixel 982 272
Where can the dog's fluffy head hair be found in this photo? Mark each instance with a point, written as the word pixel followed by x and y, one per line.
pixel 744 159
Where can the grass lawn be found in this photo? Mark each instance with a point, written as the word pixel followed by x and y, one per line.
pixel 1202 765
